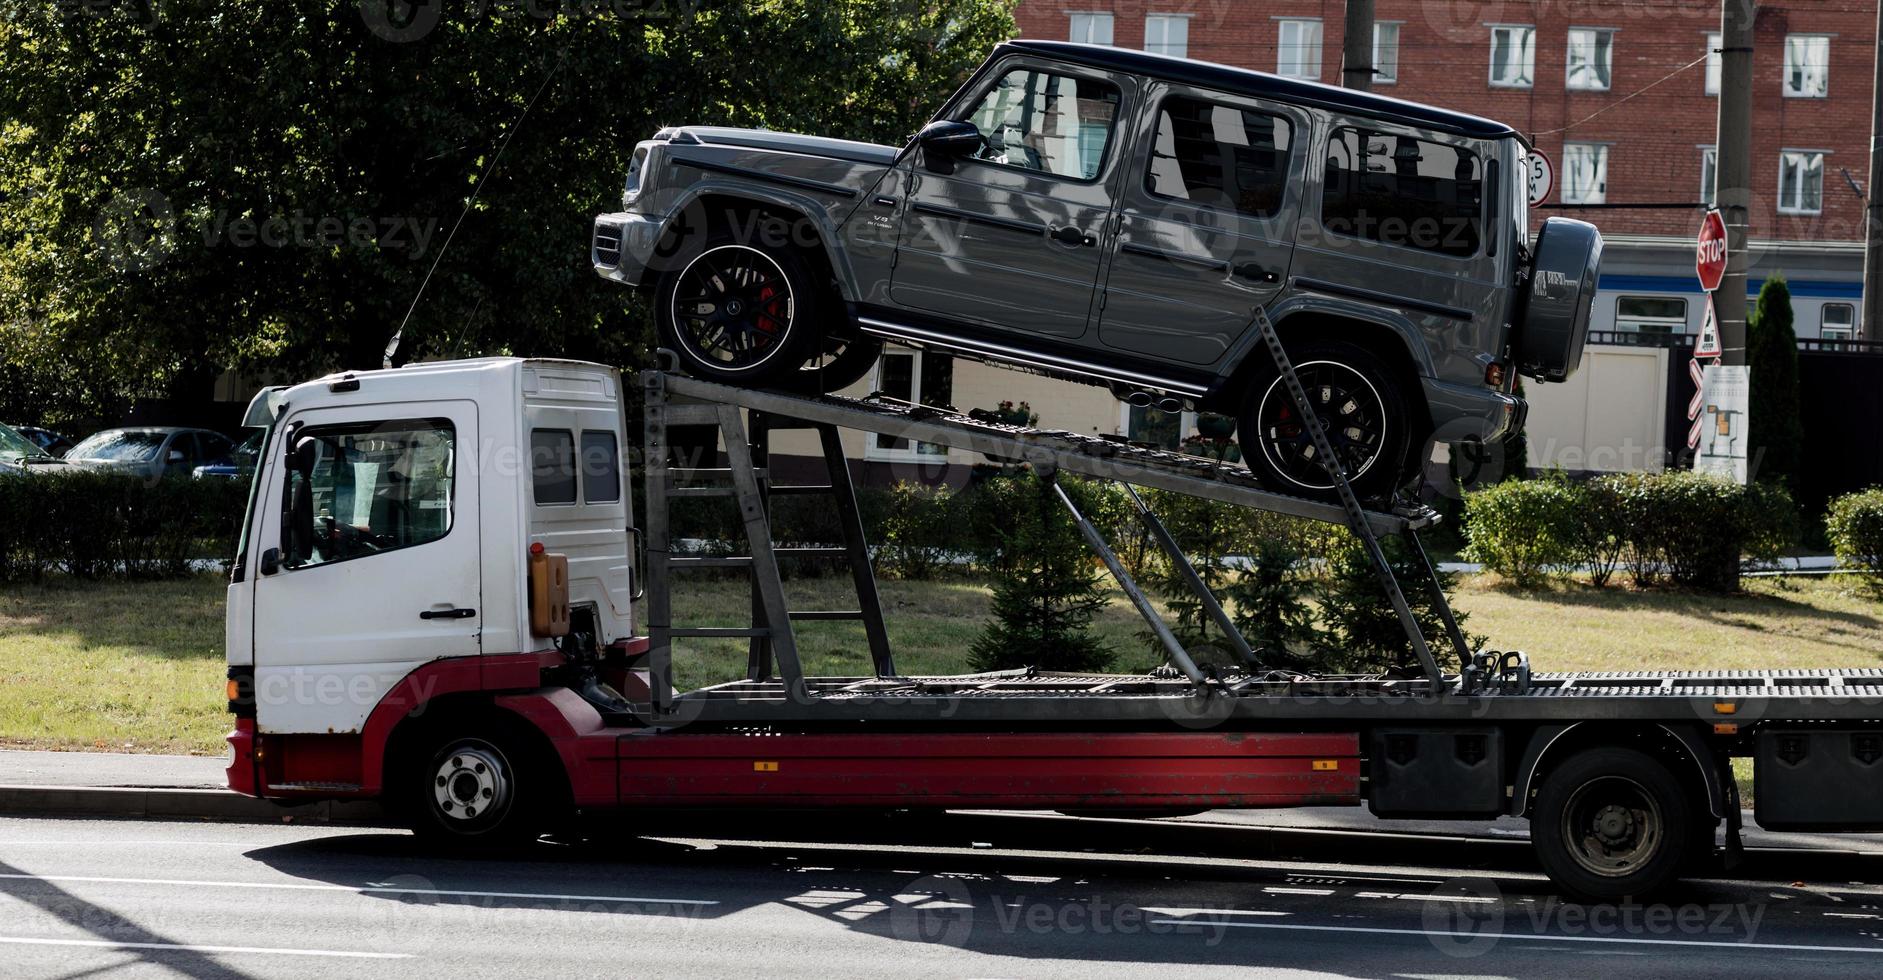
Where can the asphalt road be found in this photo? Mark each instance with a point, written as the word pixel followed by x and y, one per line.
pixel 83 898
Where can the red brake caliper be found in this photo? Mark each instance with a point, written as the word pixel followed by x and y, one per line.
pixel 768 318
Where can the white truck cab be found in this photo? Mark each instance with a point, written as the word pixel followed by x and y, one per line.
pixel 391 521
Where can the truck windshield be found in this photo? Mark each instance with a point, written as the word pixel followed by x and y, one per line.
pixel 260 442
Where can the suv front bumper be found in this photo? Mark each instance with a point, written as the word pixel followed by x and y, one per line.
pixel 622 247
pixel 1477 414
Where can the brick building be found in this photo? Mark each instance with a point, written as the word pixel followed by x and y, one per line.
pixel 1617 94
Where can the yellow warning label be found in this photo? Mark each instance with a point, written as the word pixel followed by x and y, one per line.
pixel 764 766
pixel 1326 765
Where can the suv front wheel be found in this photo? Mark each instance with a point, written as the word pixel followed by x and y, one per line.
pixel 1362 406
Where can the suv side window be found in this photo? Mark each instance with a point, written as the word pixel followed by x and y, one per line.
pixel 1054 124
pixel 1405 191
pixel 372 488
pixel 1220 156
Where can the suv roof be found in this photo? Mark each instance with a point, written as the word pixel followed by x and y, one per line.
pixel 1244 81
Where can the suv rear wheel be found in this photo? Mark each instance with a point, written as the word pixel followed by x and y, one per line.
pixel 1362 406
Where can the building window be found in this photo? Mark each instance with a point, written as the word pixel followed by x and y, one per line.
pixel 1800 182
pixel 1713 63
pixel 1585 173
pixel 1386 53
pixel 1807 66
pixel 1650 314
pixel 1838 321
pixel 1709 164
pixel 1089 28
pixel 1513 56
pixel 1167 34
pixel 920 378
pixel 1298 53
pixel 1403 191
pixel 1219 156
pixel 1591 58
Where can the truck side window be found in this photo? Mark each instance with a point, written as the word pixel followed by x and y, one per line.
pixel 1056 124
pixel 601 467
pixel 371 488
pixel 1401 190
pixel 1219 156
pixel 552 466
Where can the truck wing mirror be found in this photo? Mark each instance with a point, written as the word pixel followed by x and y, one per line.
pixel 946 140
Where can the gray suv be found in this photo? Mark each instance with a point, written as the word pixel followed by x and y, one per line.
pixel 1116 217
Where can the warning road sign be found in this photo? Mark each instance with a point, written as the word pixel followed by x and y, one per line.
pixel 1709 343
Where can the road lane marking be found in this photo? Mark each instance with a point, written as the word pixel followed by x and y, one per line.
pixel 1521 937
pixel 1280 890
pixel 362 889
pixel 193 948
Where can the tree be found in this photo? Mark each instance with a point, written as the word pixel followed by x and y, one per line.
pixel 1363 630
pixel 1045 599
pixel 1777 429
pixel 262 185
pixel 1273 612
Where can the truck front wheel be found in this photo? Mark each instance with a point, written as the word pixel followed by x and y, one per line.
pixel 1611 823
pixel 478 790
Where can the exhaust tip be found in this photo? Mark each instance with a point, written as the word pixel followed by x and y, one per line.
pixel 1171 405
pixel 1141 399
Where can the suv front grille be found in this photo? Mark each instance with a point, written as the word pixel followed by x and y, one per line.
pixel 608 245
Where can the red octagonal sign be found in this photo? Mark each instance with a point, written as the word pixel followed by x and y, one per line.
pixel 1709 257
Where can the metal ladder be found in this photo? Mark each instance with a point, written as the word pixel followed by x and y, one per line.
pixel 773 643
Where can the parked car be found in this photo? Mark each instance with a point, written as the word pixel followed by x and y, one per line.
pixel 238 464
pixel 19 454
pixel 1115 217
pixel 154 452
pixel 46 439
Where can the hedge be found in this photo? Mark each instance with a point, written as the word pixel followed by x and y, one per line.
pixel 1854 525
pixel 92 524
pixel 1690 528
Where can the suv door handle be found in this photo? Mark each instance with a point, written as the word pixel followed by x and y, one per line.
pixel 1249 270
pixel 1068 235
pixel 447 614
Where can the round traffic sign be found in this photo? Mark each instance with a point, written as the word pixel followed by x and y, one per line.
pixel 1542 177
pixel 1709 256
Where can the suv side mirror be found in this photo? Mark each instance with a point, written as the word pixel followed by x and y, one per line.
pixel 946 140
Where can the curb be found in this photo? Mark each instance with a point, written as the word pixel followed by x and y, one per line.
pixel 143 803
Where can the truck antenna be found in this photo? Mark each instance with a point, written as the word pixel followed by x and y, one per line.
pixel 392 344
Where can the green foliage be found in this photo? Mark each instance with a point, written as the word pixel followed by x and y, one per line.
pixel 1777 449
pixel 1693 528
pixel 1363 631
pixel 1273 609
pixel 917 531
pixel 95 525
pixel 1598 529
pixel 1045 599
pixel 262 184
pixel 1854 525
pixel 1520 529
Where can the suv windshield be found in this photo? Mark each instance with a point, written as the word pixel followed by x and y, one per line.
pixel 14 446
pixel 127 445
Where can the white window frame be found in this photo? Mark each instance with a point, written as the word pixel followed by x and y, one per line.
pixel 1843 331
pixel 1529 68
pixel 1382 28
pixel 1785 78
pixel 1165 21
pixel 873 452
pixel 1674 325
pixel 1601 160
pixel 1823 162
pixel 1595 49
pixel 1186 424
pixel 1709 171
pixel 1093 18
pixel 1712 72
pixel 1301 48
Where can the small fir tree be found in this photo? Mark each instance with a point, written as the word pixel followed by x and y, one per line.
pixel 1046 595
pixel 1777 431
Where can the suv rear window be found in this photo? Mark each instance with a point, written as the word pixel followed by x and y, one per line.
pixel 1405 191
pixel 1219 156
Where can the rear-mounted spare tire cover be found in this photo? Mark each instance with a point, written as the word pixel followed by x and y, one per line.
pixel 1561 298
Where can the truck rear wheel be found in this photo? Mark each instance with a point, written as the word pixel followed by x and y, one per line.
pixel 487 789
pixel 1611 823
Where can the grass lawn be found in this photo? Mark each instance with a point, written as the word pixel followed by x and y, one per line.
pixel 139 667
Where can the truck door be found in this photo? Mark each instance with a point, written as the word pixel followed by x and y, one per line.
pixel 369 558
pixel 1012 237
pixel 1206 223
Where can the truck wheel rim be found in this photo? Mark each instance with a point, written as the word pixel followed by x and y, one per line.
pixel 472 784
pixel 1351 411
pixel 732 307
pixel 1612 826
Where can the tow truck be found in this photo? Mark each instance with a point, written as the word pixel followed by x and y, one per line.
pixel 433 605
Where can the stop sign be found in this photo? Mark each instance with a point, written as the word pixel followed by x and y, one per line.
pixel 1709 257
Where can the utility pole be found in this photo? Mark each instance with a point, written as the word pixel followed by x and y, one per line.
pixel 1732 188
pixel 1869 325
pixel 1356 61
